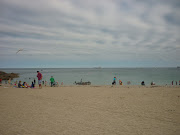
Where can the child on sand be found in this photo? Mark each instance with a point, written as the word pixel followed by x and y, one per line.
pixel 142 83
pixel 32 85
pixel 19 84
pixel 9 81
pixel 120 82
pixel 45 83
pixel 152 83
pixel 25 85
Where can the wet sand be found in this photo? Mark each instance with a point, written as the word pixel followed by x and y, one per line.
pixel 90 110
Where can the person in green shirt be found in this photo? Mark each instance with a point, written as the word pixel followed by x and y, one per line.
pixel 52 81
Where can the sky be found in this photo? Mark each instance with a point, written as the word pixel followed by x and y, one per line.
pixel 89 33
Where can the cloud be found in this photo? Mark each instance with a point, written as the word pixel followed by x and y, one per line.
pixel 91 30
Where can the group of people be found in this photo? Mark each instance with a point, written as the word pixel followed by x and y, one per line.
pixel 39 76
pixel 114 81
pixel 121 83
pixel 176 82
pixel 40 82
pixel 53 83
pixel 25 85
pixel 52 80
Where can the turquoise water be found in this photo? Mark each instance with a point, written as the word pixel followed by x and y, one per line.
pixel 103 76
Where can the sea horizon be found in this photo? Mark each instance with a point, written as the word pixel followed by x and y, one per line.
pixel 78 67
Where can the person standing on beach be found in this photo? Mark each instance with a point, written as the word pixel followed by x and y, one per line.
pixel 0 81
pixel 52 81
pixel 39 76
pixel 114 81
pixel 45 82
pixel 9 81
pixel 34 81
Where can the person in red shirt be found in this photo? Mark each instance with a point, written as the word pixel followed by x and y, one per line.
pixel 0 80
pixel 39 76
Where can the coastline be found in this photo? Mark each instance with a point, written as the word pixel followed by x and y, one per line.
pixel 106 86
pixel 104 76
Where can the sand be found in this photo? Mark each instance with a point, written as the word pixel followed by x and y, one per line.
pixel 90 110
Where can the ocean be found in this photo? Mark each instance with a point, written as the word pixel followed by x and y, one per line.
pixel 99 76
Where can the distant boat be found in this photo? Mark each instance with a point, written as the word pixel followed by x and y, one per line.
pixel 97 67
pixel 178 67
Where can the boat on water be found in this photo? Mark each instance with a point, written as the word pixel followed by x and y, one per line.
pixel 97 67
pixel 82 83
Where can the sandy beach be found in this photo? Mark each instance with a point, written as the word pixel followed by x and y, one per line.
pixel 90 110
